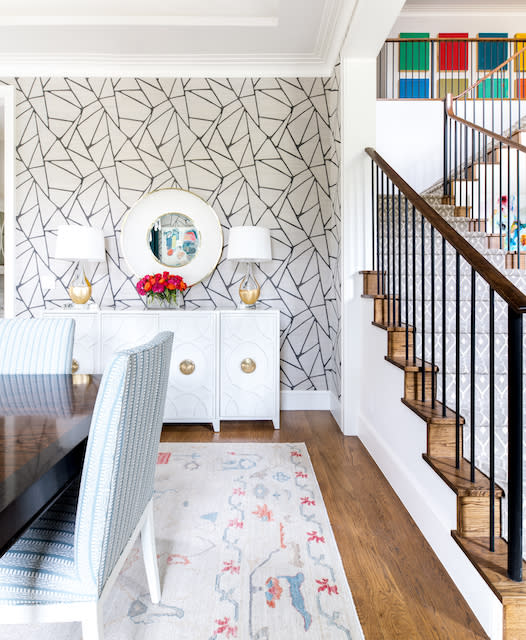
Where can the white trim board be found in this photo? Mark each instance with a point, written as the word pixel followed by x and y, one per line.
pixel 164 66
pixel 302 400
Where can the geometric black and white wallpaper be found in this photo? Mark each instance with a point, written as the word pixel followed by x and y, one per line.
pixel 260 151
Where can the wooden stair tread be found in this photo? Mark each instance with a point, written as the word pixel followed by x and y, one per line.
pixel 409 365
pixel 392 327
pixel 459 479
pixel 492 566
pixel 427 413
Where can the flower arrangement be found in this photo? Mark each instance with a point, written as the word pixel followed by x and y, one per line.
pixel 165 287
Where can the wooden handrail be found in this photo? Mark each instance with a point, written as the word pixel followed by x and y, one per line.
pixel 491 134
pixel 455 40
pixel 490 73
pixel 497 280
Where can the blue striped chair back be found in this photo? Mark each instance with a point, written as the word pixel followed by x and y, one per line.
pixel 36 345
pixel 118 473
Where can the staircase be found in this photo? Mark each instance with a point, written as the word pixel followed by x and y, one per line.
pixel 445 307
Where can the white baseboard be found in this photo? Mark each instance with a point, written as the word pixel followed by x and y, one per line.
pixel 336 409
pixel 306 400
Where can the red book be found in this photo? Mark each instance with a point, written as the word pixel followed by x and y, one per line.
pixel 453 55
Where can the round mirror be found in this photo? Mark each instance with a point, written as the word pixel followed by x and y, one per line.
pixel 175 230
pixel 174 239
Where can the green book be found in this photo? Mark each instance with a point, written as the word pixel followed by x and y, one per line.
pixel 414 56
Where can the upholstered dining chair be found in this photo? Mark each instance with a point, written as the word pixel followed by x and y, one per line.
pixel 64 565
pixel 36 345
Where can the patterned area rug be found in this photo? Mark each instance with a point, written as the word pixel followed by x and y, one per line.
pixel 245 550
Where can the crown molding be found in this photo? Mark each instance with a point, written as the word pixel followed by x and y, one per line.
pixel 164 66
pixel 141 21
pixel 424 9
pixel 332 30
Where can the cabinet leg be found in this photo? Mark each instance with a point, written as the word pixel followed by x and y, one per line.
pixel 217 425
pixel 275 422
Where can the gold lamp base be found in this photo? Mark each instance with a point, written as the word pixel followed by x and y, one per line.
pixel 249 288
pixel 80 287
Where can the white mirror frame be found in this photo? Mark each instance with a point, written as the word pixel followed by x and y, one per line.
pixel 140 218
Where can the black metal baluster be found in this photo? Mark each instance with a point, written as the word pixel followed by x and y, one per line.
pixel 376 194
pixel 515 444
pixel 472 378
pixel 491 419
pixel 457 360
pixel 388 255
pixel 372 214
pixel 382 236
pixel 399 321
pixel 406 288
pixel 432 318
pixel 444 311
pixel 414 287
pixel 393 214
pixel 518 212
pixel 423 310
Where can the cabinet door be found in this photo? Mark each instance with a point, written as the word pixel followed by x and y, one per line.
pixel 125 330
pixel 249 355
pixel 191 387
pixel 86 340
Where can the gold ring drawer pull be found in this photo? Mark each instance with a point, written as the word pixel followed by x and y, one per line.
pixel 74 366
pixel 248 365
pixel 187 367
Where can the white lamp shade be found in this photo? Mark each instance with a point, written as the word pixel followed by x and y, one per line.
pixel 249 244
pixel 75 242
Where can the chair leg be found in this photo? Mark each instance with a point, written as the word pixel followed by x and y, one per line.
pixel 150 555
pixel 92 624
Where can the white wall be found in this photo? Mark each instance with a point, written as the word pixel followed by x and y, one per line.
pixel 409 135
pixel 455 23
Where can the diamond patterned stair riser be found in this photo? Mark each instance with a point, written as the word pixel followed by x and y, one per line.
pixel 259 151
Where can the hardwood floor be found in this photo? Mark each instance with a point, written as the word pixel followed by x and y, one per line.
pixel 401 590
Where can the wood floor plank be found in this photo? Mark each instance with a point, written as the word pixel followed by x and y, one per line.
pixel 401 590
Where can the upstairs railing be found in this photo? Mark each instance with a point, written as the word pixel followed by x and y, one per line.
pixel 485 161
pixel 454 305
pixel 430 68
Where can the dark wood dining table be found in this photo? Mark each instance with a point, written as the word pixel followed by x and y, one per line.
pixel 44 424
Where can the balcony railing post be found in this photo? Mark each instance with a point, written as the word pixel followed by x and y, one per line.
pixel 446 152
pixel 515 444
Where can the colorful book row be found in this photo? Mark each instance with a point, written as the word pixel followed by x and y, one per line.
pixel 490 88
pixel 453 55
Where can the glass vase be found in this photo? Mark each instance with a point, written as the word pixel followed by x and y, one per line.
pixel 159 304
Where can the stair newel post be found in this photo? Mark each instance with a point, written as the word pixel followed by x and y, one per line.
pixel 423 307
pixel 457 360
pixel 515 444
pixel 492 419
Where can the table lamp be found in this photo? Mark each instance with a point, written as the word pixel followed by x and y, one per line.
pixel 249 244
pixel 81 244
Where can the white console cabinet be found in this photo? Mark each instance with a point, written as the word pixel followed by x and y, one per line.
pixel 225 363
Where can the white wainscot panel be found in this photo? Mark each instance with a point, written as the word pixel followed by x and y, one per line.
pixel 191 395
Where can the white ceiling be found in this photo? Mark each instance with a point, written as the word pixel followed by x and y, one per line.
pixel 172 37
